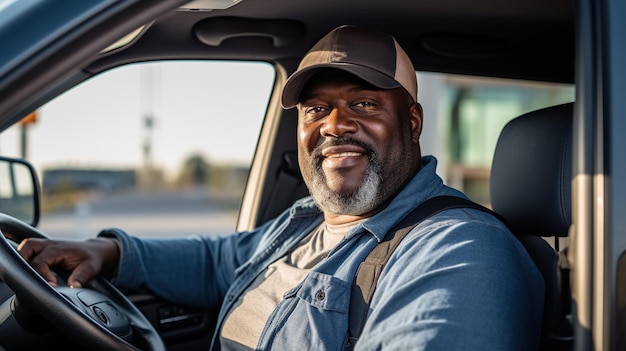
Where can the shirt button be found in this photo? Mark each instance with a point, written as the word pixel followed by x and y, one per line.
pixel 230 298
pixel 320 295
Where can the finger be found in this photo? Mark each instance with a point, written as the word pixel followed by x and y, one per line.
pixel 28 248
pixel 44 270
pixel 82 274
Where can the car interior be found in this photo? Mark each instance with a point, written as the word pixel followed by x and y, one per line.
pixel 530 176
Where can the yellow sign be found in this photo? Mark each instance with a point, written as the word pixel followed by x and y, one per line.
pixel 29 119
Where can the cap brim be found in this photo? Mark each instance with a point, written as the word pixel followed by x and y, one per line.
pixel 294 85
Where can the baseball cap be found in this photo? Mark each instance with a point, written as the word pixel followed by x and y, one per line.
pixel 373 56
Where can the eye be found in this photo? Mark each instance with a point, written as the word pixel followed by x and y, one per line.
pixel 314 109
pixel 364 105
pixel 312 113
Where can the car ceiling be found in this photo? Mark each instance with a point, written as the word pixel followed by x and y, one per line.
pixel 526 39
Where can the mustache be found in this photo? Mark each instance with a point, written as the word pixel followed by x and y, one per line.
pixel 338 141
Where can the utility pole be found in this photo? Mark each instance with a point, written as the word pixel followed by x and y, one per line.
pixel 150 83
pixel 25 123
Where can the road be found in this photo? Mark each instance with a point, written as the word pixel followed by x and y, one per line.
pixel 164 214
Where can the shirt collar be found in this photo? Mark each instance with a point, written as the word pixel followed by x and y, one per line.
pixel 424 185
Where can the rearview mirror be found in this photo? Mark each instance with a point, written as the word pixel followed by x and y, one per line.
pixel 19 190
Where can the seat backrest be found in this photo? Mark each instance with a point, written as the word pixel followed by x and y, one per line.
pixel 531 188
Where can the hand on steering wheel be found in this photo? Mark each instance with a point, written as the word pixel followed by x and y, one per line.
pixel 84 260
pixel 90 317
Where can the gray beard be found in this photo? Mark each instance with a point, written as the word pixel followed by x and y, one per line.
pixel 363 200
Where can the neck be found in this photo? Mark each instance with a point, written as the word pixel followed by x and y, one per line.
pixel 338 219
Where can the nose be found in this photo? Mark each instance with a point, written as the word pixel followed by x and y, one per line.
pixel 338 122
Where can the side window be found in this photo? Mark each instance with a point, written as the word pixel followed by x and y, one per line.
pixel 463 117
pixel 157 149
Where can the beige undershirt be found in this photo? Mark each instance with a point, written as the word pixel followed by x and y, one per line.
pixel 243 325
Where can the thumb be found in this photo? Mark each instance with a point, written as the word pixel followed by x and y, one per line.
pixel 81 275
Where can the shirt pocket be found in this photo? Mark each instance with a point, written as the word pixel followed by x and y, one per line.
pixel 324 292
pixel 314 317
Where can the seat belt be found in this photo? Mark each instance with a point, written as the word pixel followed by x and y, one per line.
pixel 369 270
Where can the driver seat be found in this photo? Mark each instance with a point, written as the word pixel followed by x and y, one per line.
pixel 530 187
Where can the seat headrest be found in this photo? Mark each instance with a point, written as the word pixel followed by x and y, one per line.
pixel 532 171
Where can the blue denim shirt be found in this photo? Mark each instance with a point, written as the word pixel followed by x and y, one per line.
pixel 458 281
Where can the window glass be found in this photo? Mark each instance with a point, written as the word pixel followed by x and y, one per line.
pixel 468 114
pixel 157 149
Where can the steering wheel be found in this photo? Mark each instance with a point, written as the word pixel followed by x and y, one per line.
pixel 99 317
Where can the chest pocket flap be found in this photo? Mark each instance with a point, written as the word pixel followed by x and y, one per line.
pixel 325 292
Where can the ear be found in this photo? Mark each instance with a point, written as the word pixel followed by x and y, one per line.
pixel 417 117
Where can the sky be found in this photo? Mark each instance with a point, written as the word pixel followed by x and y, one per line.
pixel 214 108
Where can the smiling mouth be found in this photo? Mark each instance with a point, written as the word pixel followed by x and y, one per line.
pixel 341 152
pixel 342 160
pixel 344 154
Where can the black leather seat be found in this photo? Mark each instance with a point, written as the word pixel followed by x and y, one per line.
pixel 531 188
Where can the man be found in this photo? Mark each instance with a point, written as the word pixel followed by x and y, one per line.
pixel 459 280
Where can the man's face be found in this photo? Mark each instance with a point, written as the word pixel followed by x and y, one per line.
pixel 357 145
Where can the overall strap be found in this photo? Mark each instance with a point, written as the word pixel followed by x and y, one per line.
pixel 369 270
